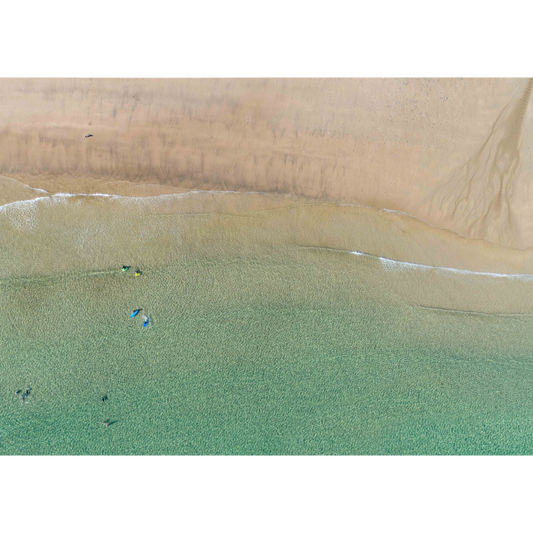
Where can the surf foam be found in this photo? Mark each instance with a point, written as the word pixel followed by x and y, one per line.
pixel 397 265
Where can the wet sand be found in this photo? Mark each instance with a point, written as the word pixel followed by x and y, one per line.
pixel 451 152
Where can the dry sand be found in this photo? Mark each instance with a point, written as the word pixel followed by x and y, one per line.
pixel 454 153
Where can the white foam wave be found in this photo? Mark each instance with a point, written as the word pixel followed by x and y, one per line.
pixel 58 196
pixel 397 265
pixel 22 213
pixel 21 203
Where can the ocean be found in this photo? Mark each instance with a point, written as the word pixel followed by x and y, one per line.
pixel 264 340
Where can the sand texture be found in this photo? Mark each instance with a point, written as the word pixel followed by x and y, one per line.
pixel 453 152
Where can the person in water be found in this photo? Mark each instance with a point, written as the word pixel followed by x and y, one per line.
pixel 146 321
pixel 135 313
pixel 138 272
pixel 125 268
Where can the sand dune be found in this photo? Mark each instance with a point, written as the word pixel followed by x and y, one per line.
pixel 455 153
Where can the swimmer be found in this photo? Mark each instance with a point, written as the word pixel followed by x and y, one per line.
pixel 138 273
pixel 125 268
pixel 135 313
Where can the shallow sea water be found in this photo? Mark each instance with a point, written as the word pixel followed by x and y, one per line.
pixel 253 350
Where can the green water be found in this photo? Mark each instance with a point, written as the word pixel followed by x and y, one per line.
pixel 229 367
pixel 285 353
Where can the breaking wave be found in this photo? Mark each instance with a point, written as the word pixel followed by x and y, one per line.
pixel 397 265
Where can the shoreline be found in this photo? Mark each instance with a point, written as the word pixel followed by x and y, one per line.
pixel 384 143
pixel 401 257
pixel 502 261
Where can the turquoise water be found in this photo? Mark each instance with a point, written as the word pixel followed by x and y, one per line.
pixel 298 352
pixel 253 350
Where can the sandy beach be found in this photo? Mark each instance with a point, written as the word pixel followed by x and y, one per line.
pixel 409 145
pixel 326 267
pixel 453 153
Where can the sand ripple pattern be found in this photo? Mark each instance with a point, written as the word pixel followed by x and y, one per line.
pixel 482 199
